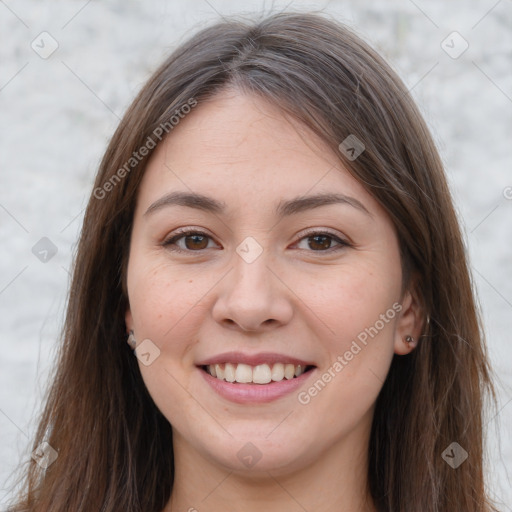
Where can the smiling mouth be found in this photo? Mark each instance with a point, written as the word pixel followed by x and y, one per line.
pixel 260 374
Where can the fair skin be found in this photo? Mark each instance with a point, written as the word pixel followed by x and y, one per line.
pixel 304 296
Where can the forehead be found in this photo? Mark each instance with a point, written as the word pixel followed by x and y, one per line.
pixel 239 147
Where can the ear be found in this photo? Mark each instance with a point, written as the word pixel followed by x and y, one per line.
pixel 410 321
pixel 128 320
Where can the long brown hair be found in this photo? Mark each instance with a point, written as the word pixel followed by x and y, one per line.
pixel 114 446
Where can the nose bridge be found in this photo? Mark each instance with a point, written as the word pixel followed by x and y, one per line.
pixel 251 295
pixel 251 260
pixel 252 275
pixel 252 280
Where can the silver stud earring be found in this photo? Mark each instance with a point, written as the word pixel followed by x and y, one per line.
pixel 131 341
pixel 409 340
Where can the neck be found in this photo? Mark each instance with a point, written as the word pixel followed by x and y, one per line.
pixel 336 481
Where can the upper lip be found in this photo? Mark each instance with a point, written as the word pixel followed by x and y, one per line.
pixel 253 359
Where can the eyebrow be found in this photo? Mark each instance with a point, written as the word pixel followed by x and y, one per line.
pixel 283 208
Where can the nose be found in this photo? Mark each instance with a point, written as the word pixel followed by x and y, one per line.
pixel 252 297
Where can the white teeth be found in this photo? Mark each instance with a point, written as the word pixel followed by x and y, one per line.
pixel 278 372
pixel 217 371
pixel 260 374
pixel 243 373
pixel 229 372
pixel 289 371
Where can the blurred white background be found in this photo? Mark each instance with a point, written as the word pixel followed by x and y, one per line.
pixel 58 111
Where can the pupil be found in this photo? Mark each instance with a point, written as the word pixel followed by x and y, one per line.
pixel 196 244
pixel 325 244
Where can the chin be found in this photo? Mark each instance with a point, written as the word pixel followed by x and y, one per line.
pixel 257 456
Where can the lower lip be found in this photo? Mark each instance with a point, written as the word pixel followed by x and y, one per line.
pixel 255 393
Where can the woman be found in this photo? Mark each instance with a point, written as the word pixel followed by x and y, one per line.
pixel 271 232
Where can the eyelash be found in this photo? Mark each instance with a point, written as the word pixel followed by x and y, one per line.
pixel 189 232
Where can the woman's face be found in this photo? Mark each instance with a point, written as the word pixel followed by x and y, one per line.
pixel 289 262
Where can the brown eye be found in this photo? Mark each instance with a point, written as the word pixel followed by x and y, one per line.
pixel 323 242
pixel 196 242
pixel 191 241
pixel 320 242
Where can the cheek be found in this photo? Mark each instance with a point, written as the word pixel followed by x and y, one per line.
pixel 357 310
pixel 360 358
pixel 164 299
pixel 352 299
pixel 165 310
